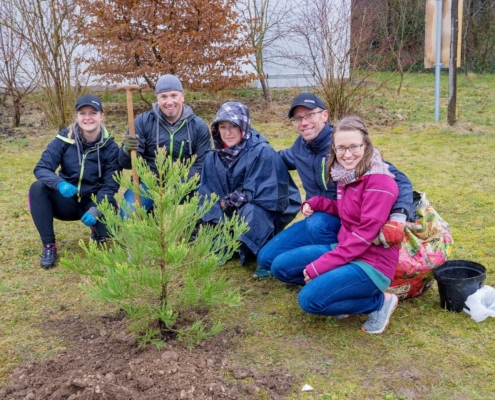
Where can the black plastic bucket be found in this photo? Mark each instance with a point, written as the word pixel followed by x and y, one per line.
pixel 457 279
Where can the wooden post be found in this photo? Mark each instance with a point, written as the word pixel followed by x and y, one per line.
pixel 451 116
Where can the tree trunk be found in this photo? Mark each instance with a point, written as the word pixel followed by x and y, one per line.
pixel 451 116
pixel 266 89
pixel 467 24
pixel 17 112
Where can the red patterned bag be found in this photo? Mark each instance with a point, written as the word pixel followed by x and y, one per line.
pixel 427 244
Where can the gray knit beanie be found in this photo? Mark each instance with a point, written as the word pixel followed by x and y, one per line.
pixel 168 83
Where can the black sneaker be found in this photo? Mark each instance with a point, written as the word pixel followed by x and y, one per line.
pixel 49 256
pixel 97 239
pixel 194 233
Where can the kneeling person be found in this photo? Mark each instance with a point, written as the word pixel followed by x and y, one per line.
pixel 88 158
pixel 249 177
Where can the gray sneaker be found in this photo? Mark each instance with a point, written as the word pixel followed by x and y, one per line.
pixel 49 256
pixel 379 320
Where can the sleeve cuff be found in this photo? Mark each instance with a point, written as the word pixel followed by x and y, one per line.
pixel 311 271
pixel 399 217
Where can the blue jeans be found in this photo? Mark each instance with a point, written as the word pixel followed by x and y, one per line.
pixel 288 267
pixel 343 290
pixel 130 200
pixel 320 228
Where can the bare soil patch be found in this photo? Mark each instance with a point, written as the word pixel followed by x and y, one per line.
pixel 102 361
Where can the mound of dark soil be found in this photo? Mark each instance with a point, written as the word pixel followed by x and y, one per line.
pixel 102 361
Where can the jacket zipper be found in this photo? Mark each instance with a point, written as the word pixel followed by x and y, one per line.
pixel 323 173
pixel 82 169
pixel 172 134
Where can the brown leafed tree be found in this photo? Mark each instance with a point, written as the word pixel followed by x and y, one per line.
pixel 203 42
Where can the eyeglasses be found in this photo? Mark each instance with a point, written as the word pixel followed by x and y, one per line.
pixel 307 117
pixel 353 148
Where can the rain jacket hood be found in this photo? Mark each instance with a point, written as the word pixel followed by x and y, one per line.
pixel 236 114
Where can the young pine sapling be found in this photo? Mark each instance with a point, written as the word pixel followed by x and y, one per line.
pixel 165 282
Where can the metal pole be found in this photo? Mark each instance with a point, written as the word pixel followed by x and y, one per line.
pixel 438 58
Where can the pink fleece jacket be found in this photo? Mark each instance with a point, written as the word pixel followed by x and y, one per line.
pixel 363 207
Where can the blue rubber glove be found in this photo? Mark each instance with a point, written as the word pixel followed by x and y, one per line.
pixel 89 217
pixel 66 189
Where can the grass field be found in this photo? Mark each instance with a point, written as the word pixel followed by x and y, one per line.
pixel 427 352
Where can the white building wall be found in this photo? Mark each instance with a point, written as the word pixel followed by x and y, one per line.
pixel 283 71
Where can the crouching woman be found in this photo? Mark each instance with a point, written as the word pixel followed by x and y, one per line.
pixel 88 158
pixel 249 177
pixel 352 277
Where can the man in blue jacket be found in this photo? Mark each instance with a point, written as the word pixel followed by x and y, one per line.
pixel 169 123
pixel 308 155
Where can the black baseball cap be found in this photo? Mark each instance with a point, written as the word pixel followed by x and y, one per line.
pixel 308 100
pixel 89 100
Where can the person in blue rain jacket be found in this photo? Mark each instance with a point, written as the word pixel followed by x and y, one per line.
pixel 249 177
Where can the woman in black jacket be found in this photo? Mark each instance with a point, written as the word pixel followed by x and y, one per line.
pixel 88 158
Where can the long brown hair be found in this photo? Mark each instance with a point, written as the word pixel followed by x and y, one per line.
pixel 352 123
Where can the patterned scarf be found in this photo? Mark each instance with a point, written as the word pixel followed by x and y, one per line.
pixel 344 176
pixel 238 115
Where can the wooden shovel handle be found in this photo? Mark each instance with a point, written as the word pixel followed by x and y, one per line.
pixel 132 132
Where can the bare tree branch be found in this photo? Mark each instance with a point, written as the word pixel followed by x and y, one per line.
pixel 50 34
pixel 14 80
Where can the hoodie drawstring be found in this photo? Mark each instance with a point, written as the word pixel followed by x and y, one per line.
pixel 189 138
pixel 98 156
pixel 76 137
pixel 157 133
pixel 171 134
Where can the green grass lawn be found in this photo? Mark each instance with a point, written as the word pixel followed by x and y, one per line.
pixel 426 353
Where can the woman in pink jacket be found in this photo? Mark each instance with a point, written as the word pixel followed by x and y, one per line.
pixel 349 277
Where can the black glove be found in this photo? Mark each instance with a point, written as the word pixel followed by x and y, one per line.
pixel 225 206
pixel 237 198
pixel 131 143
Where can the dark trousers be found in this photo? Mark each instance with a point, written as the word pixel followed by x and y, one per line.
pixel 46 204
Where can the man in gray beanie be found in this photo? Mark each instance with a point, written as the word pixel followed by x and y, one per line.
pixel 169 123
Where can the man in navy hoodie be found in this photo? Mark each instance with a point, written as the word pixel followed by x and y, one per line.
pixel 171 124
pixel 309 155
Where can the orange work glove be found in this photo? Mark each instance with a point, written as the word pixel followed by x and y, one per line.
pixel 393 233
